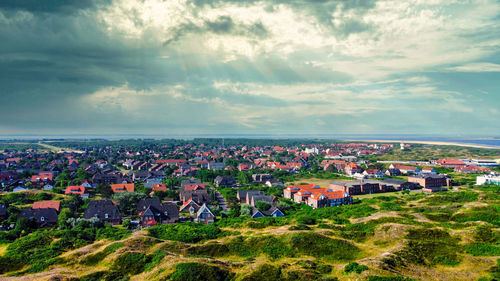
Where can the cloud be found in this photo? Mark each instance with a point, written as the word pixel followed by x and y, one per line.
pixel 252 66
pixel 476 67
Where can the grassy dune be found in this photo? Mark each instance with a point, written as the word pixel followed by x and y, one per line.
pixel 448 236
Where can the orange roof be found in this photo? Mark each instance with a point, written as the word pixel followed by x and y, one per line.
pixel 72 189
pixel 194 186
pixel 47 204
pixel 122 187
pixel 159 187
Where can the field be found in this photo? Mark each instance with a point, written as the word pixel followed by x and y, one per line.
pixel 447 236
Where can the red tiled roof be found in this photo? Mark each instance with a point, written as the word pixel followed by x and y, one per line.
pixel 122 187
pixel 72 189
pixel 47 204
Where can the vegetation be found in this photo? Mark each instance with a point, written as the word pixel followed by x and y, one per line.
pixel 185 232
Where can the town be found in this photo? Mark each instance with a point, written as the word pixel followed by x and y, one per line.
pixel 143 184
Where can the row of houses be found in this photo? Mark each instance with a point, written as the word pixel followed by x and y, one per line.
pixel 317 197
pixel 151 211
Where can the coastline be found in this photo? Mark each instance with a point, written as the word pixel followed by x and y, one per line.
pixel 433 143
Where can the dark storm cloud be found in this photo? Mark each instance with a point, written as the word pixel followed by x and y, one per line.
pixel 221 25
pixel 52 6
pixel 322 10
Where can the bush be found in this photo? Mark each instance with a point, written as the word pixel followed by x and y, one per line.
pixel 155 258
pixel 193 271
pixel 265 272
pixel 389 278
pixel 130 263
pixel 355 267
pixel 299 227
pixel 306 220
pixel 97 257
pixel 430 247
pixel 454 197
pixel 483 249
pixel 185 232
pixel 317 245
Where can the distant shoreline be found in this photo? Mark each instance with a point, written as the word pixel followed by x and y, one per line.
pixel 433 143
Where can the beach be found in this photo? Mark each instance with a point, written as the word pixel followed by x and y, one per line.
pixel 433 143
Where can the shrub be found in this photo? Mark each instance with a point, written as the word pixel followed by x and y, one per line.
pixel 454 197
pixel 355 267
pixel 193 271
pixel 265 272
pixel 306 220
pixel 299 227
pixel 155 258
pixel 317 245
pixel 483 249
pixel 97 257
pixel 130 263
pixel 430 247
pixel 185 232
pixel 389 278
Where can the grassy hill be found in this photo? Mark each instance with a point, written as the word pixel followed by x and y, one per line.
pixel 447 236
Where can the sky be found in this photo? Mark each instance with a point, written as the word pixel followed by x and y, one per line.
pixel 250 67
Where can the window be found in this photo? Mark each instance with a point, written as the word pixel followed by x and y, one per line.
pixel 106 216
pixel 42 219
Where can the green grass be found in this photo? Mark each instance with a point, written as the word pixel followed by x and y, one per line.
pixel 94 259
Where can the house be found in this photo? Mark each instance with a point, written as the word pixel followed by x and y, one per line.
pixel 151 212
pixel 224 181
pixel 152 181
pixel 392 172
pixel 261 178
pixel 47 204
pixel 42 177
pixel 106 179
pixel 430 181
pixel 317 197
pixel 43 217
pixel 360 187
pixel 159 187
pixel 189 206
pixel 3 210
pixel 492 178
pixel 104 210
pixel 252 199
pixel 405 169
pixel 200 196
pixel 428 170
pixel 75 189
pixel 215 166
pixel 352 168
pixel 194 186
pixel 373 173
pixel 122 187
pixel 243 194
pixel 189 181
pixel 451 163
pixel 471 169
pixel 204 215
pixel 271 212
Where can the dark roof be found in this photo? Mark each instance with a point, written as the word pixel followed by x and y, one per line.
pixel 171 209
pixel 41 216
pixel 265 198
pixel 190 181
pixel 245 193
pixel 143 204
pixel 200 195
pixel 3 210
pixel 271 210
pixel 99 209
